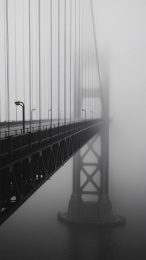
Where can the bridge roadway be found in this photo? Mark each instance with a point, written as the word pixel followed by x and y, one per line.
pixel 15 128
pixel 28 160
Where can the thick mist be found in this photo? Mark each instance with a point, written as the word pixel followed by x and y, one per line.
pixel 120 28
pixel 34 231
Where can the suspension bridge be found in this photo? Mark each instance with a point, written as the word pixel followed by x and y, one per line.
pixel 51 99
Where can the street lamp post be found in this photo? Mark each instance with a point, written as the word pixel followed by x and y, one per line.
pixel 20 103
pixel 84 110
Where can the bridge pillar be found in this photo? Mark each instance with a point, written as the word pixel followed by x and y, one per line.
pixel 75 201
pixel 82 209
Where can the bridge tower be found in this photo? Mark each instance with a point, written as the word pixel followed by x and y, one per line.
pixel 89 202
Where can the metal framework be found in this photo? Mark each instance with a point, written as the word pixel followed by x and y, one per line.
pixel 84 185
pixel 90 203
pixel 26 163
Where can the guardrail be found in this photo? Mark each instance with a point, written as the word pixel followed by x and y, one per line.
pixel 34 128
pixel 15 146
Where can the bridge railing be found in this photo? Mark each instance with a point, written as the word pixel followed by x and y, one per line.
pixel 19 142
pixel 18 131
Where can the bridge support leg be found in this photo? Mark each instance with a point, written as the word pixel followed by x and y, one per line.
pixel 105 206
pixel 85 211
pixel 75 201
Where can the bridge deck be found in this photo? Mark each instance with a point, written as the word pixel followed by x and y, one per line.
pixel 15 127
pixel 27 161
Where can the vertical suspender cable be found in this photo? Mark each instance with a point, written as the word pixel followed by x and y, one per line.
pixel 30 83
pixel 82 54
pixel 48 66
pixel 44 96
pixel 64 61
pixel 51 57
pixel 90 87
pixel 15 62
pixel 86 59
pixel 75 67
pixel 39 36
pixel 5 43
pixel 87 41
pixel 88 62
pixel 92 47
pixel 70 57
pixel 86 55
pixel 58 62
pixel 92 80
pixel 23 56
pixel 37 85
pixel 88 66
pixel 7 66
pixel 85 88
pixel 0 113
pixel 32 79
pixel 79 81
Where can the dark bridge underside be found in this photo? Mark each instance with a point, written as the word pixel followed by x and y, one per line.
pixel 27 161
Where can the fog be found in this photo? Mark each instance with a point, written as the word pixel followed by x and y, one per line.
pixel 121 39
pixel 120 28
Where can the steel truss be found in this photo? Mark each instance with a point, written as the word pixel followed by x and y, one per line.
pixel 90 203
pixel 28 163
